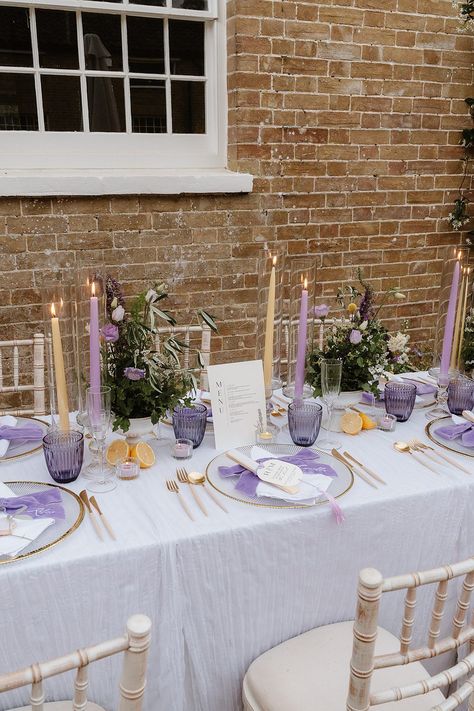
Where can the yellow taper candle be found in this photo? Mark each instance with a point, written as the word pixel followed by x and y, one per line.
pixel 269 331
pixel 463 317
pixel 60 375
pixel 457 326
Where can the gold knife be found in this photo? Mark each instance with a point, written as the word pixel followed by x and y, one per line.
pixel 85 499
pixel 359 473
pixel 102 518
pixel 365 468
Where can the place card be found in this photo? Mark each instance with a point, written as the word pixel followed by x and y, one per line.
pixel 238 402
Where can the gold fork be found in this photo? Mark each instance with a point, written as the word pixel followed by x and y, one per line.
pixel 172 486
pixel 421 446
pixel 183 478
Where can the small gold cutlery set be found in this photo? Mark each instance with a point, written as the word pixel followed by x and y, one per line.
pixel 192 480
pixel 362 471
pixel 426 455
pixel 95 522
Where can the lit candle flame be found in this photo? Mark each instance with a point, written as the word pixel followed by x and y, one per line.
pixel 459 254
pixel 93 288
pixel 53 310
pixel 305 283
pixel 274 260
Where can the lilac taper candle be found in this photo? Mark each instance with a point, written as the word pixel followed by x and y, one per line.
pixel 301 352
pixel 450 318
pixel 94 342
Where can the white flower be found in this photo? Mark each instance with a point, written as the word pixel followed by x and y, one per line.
pixel 150 295
pixel 113 303
pixel 397 343
pixel 363 325
pixel 118 313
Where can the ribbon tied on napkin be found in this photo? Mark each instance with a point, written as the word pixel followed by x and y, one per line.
pixel 42 504
pixel 306 460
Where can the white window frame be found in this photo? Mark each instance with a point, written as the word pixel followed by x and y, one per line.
pixel 102 154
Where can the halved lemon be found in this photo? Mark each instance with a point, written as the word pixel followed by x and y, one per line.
pixel 367 422
pixel 116 451
pixel 144 453
pixel 351 423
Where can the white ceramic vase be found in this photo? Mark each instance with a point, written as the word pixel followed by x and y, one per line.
pixel 139 428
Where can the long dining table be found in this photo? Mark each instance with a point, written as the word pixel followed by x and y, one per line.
pixel 223 589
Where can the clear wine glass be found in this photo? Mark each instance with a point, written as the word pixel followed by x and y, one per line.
pixel 98 407
pixel 331 374
pixel 441 407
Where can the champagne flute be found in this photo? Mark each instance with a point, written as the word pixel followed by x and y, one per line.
pixel 98 407
pixel 331 374
pixel 441 407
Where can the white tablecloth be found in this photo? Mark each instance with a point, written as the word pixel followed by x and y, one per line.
pixel 224 589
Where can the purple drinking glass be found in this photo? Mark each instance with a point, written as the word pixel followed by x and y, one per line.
pixel 64 454
pixel 190 423
pixel 304 422
pixel 400 399
pixel 460 395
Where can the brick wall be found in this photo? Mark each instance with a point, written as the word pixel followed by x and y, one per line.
pixel 347 112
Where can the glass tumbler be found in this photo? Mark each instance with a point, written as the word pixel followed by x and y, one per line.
pixel 304 422
pixel 190 423
pixel 64 454
pixel 400 400
pixel 460 395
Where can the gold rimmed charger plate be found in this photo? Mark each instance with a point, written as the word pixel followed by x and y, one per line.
pixel 16 451
pixel 226 486
pixel 60 530
pixel 453 445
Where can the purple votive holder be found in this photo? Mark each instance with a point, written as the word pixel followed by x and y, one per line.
pixel 460 395
pixel 190 423
pixel 64 454
pixel 400 399
pixel 304 422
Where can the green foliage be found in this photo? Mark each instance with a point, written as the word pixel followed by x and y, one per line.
pixel 467 350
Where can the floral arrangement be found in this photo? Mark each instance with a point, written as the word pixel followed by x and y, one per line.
pixel 467 349
pixel 145 381
pixel 368 351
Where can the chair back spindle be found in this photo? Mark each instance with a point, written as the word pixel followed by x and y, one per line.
pixel 15 352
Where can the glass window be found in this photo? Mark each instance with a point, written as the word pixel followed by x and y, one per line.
pixel 57 39
pixel 148 103
pixel 102 41
pixel 61 103
pixel 15 37
pixel 145 45
pixel 186 47
pixel 18 103
pixel 187 100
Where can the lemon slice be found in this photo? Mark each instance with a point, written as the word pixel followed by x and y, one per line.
pixel 116 451
pixel 351 423
pixel 367 422
pixel 144 453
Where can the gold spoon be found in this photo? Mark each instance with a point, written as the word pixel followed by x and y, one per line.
pixel 404 447
pixel 198 478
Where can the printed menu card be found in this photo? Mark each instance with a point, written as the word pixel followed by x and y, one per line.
pixel 238 402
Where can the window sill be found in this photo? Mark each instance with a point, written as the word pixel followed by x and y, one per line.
pixel 19 183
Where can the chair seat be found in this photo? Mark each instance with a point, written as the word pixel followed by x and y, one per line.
pixel 60 706
pixel 311 673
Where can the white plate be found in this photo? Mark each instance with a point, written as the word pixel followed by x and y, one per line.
pixel 22 449
pixel 454 445
pixel 226 485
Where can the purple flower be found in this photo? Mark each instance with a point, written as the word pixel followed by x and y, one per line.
pixel 321 311
pixel 134 373
pixel 355 337
pixel 110 333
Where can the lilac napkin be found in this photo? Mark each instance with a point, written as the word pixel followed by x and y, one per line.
pixel 305 460
pixel 27 433
pixel 464 430
pixel 422 388
pixel 43 504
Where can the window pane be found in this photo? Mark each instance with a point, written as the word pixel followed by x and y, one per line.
pixel 102 41
pixel 145 45
pixel 62 103
pixel 188 107
pixel 15 38
pixel 106 105
pixel 156 3
pixel 57 39
pixel 18 103
pixel 148 101
pixel 191 4
pixel 186 47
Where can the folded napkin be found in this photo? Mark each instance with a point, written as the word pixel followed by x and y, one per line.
pixel 460 428
pixel 314 484
pixel 10 433
pixel 42 504
pixel 24 532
